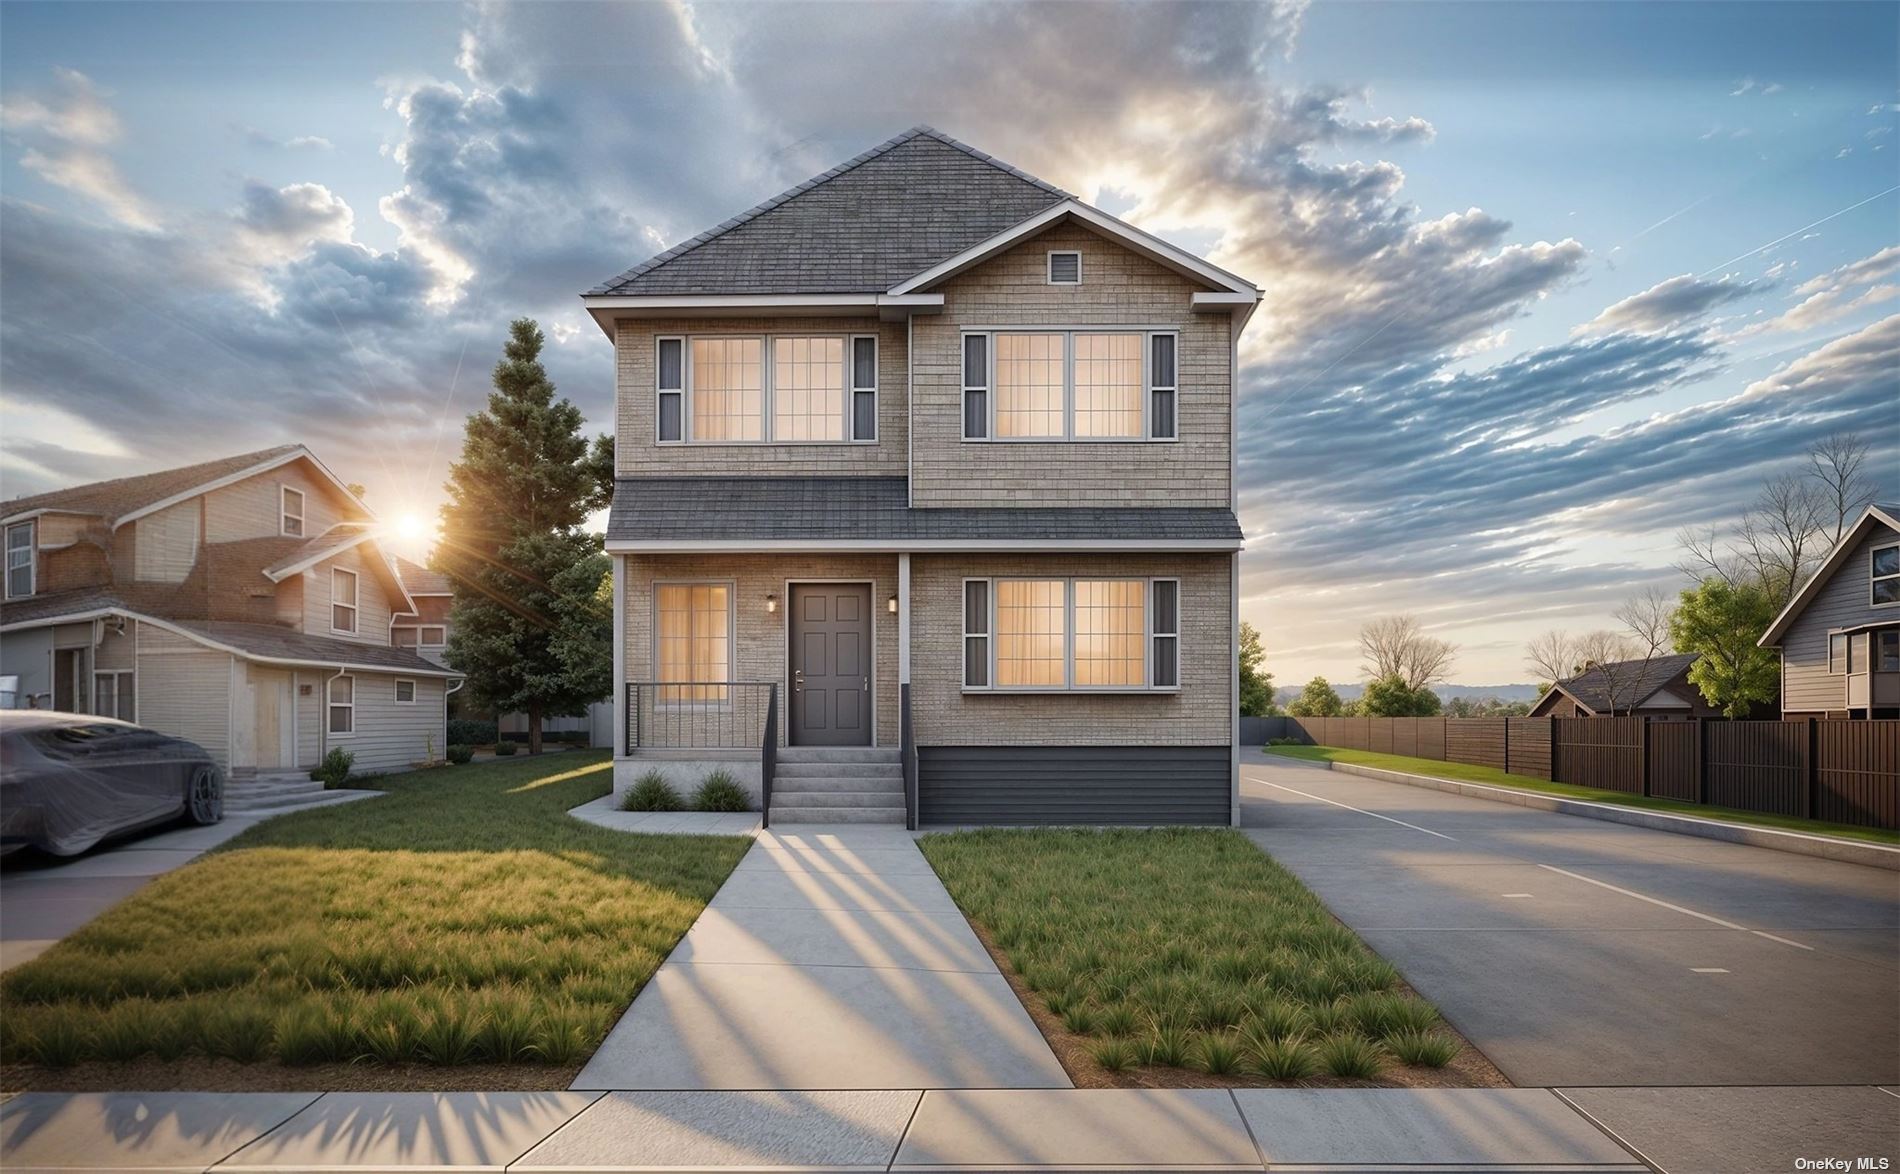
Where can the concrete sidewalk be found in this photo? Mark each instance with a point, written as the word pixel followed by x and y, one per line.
pixel 832 958
pixel 885 1129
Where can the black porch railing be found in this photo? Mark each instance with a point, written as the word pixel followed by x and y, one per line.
pixel 697 715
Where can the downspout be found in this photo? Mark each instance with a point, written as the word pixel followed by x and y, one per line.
pixel 446 694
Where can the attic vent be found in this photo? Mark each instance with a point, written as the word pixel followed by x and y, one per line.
pixel 1065 269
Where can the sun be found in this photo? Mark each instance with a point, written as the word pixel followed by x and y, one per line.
pixel 412 527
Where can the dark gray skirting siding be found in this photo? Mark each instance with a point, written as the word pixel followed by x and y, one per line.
pixel 1073 784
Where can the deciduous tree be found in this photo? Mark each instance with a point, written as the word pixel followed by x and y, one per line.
pixel 1721 621
pixel 1397 646
pixel 1256 683
pixel 1317 699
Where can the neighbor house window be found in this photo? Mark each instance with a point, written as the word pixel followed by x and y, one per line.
pixel 1887 651
pixel 405 691
pixel 22 567
pixel 728 389
pixel 434 636
pixel 670 372
pixel 343 705
pixel 291 501
pixel 1069 385
pixel 693 623
pixel 1050 634
pixel 112 695
pixel 808 378
pixel 1886 575
pixel 1065 268
pixel 403 637
pixel 1837 653
pixel 342 600
pixel 864 388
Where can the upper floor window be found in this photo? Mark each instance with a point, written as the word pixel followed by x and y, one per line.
pixel 292 503
pixel 1069 385
pixel 342 600
pixel 1071 634
pixel 22 559
pixel 787 389
pixel 1886 575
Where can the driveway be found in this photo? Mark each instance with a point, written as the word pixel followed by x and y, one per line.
pixel 832 958
pixel 1575 952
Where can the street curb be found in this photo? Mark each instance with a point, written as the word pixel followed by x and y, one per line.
pixel 1799 843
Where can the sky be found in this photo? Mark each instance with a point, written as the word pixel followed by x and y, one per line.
pixel 1544 283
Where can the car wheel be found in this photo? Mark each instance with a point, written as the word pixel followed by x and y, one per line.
pixel 206 797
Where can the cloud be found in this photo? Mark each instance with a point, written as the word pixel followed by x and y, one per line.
pixel 267 141
pixel 1871 268
pixel 1830 297
pixel 1668 304
pixel 1749 85
pixel 67 129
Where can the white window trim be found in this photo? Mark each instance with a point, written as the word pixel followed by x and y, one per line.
pixel 422 643
pixel 119 691
pixel 1068 636
pixel 732 644
pixel 396 690
pixel 1068 333
pixel 767 389
pixel 1873 557
pixel 356 593
pixel 32 528
pixel 852 390
pixel 1049 266
pixel 331 705
pixel 285 514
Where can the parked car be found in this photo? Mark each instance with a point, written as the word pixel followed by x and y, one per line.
pixel 70 780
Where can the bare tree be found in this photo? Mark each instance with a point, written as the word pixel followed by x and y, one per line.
pixel 1835 465
pixel 1611 656
pixel 1645 618
pixel 1397 646
pixel 1781 532
pixel 1552 656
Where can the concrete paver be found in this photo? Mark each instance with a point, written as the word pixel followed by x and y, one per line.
pixel 1686 1130
pixel 175 1131
pixel 840 964
pixel 697 1130
pixel 416 1130
pixel 605 812
pixel 1166 1129
pixel 1465 1128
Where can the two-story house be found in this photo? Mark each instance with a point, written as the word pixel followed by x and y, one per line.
pixel 1840 635
pixel 932 465
pixel 242 603
pixel 425 631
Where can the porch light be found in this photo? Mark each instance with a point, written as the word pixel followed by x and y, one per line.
pixel 890 605
pixel 771 604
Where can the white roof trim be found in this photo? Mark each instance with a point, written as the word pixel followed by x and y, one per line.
pixel 1147 244
pixel 1831 564
pixel 29 515
pixel 218 645
pixel 605 308
pixel 914 545
pixel 279 574
pixel 299 454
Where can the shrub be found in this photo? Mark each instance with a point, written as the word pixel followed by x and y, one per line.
pixel 334 770
pixel 1427 1049
pixel 460 752
pixel 1351 1057
pixel 721 792
pixel 504 749
pixel 1280 1059
pixel 470 732
pixel 1217 1054
pixel 1114 1054
pixel 651 792
pixel 1290 741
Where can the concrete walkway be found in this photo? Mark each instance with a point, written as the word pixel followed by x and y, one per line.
pixel 832 958
pixel 605 812
pixel 872 1129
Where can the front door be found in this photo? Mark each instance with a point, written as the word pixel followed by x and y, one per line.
pixel 273 728
pixel 831 664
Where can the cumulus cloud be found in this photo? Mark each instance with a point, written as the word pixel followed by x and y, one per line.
pixel 68 129
pixel 1669 304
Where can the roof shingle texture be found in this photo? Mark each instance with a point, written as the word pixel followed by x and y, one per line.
pixel 651 509
pixel 420 580
pixel 861 227
pixel 114 499
pixel 1631 680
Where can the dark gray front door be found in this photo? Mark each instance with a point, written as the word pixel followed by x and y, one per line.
pixel 831 664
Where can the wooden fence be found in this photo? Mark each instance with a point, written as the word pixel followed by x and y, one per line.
pixel 1841 771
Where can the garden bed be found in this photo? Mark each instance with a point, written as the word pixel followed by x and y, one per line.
pixel 459 932
pixel 1189 959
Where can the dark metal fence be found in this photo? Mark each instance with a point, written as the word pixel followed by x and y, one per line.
pixel 697 715
pixel 1840 771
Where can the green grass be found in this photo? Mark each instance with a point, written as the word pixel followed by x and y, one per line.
pixel 1191 946
pixel 463 917
pixel 1468 773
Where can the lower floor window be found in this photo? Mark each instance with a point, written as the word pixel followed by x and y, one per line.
pixel 113 695
pixel 693 627
pixel 1047 634
pixel 343 705
pixel 405 692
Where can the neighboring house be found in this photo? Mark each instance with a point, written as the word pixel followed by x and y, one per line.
pixel 1840 635
pixel 425 630
pixel 946 456
pixel 1658 687
pixel 241 603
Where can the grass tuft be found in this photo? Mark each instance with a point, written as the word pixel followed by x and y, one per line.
pixel 651 792
pixel 1218 1053
pixel 1351 1057
pixel 719 791
pixel 1280 1059
pixel 1425 1049
pixel 1114 1054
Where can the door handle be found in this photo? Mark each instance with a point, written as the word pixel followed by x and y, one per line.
pixel 798 680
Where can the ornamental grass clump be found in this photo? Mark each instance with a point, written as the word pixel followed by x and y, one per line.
pixel 651 792
pixel 719 791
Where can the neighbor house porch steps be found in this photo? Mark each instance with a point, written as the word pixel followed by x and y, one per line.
pixel 267 793
pixel 838 784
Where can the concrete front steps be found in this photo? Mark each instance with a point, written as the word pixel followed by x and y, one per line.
pixel 265 795
pixel 838 784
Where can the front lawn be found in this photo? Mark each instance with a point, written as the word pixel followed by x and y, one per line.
pixel 1188 957
pixel 1465 772
pixel 461 919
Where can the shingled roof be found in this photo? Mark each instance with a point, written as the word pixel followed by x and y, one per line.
pixel 420 580
pixel 876 509
pixel 862 227
pixel 124 495
pixel 1631 681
